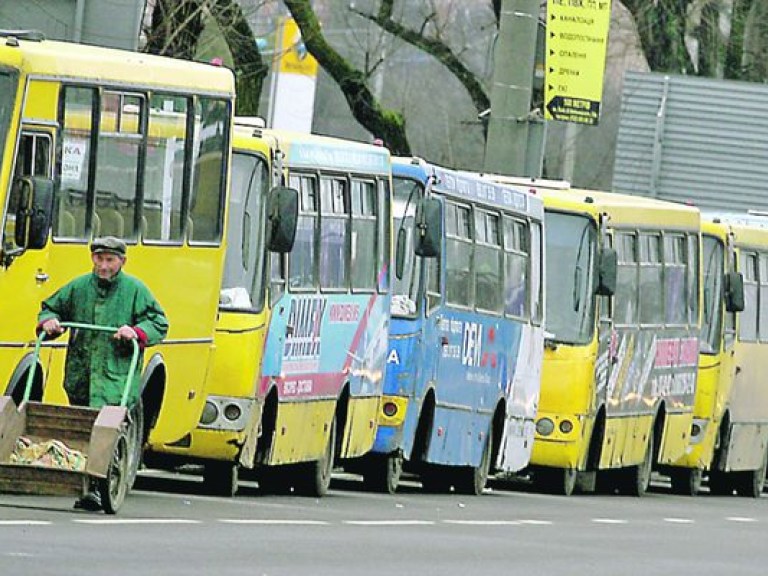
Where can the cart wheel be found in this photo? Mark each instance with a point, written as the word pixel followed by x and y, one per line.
pixel 135 433
pixel 115 486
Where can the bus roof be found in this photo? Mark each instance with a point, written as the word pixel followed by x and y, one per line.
pixel 748 229
pixel 625 210
pixel 66 60
pixel 312 151
pixel 469 186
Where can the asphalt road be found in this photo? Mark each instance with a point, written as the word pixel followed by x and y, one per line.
pixel 168 527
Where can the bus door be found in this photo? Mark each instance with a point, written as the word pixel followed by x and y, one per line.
pixel 26 271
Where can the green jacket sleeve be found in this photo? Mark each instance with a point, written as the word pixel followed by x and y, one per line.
pixel 150 318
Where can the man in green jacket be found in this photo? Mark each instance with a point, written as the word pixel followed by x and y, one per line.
pixel 98 363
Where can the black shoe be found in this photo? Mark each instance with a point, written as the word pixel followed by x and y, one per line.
pixel 90 502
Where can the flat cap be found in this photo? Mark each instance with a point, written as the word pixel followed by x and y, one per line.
pixel 108 244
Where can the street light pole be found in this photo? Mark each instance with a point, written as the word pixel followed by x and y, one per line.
pixel 514 55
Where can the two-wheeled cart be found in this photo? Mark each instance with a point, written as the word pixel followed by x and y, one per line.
pixel 48 449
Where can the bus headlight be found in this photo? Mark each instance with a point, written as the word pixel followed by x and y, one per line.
pixel 545 427
pixel 232 412
pixel 210 413
pixel 389 409
pixel 566 426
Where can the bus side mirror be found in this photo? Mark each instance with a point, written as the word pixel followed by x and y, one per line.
pixel 402 243
pixel 282 216
pixel 33 217
pixel 606 272
pixel 429 228
pixel 734 292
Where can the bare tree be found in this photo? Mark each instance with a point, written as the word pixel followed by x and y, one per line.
pixel 177 26
pixel 385 124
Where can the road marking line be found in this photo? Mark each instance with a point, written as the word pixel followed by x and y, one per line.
pixel 678 520
pixel 608 521
pixel 25 522
pixel 136 521
pixel 536 522
pixel 390 522
pixel 741 519
pixel 484 522
pixel 273 522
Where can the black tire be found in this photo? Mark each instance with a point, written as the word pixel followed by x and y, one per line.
pixel 114 488
pixel 750 484
pixel 560 481
pixel 636 479
pixel 686 481
pixel 314 478
pixel 220 478
pixel 472 480
pixel 382 472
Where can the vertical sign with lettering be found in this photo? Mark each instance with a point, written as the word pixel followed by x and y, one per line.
pixel 577 38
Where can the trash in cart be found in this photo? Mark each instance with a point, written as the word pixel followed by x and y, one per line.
pixel 49 449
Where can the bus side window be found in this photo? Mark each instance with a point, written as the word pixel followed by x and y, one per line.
pixel 75 163
pixel 762 314
pixel 516 280
pixel 458 258
pixel 625 301
pixel 206 206
pixel 675 294
pixel 168 140
pixel 489 291
pixel 301 263
pixel 364 244
pixel 537 273
pixel 334 234
pixel 748 318
pixel 651 281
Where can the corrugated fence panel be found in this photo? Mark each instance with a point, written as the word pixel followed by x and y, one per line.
pixel 690 139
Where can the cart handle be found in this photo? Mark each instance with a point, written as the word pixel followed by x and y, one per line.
pixel 112 329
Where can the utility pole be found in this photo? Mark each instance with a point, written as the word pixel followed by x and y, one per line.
pixel 506 147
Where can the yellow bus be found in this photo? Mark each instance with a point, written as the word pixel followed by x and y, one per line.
pixel 302 331
pixel 729 440
pixel 620 359
pixel 98 142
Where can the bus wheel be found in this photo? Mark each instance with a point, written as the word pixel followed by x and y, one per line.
pixel 382 472
pixel 315 477
pixel 560 481
pixel 220 478
pixel 472 480
pixel 750 483
pixel 686 481
pixel 720 484
pixel 636 479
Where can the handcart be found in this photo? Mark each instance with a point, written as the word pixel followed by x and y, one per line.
pixel 48 449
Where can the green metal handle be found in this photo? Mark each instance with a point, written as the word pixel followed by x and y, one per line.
pixel 82 326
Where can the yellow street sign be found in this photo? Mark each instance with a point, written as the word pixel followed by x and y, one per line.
pixel 577 38
pixel 294 57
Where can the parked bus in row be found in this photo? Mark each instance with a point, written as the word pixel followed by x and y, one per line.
pixel 729 440
pixel 303 322
pixel 97 142
pixel 466 340
pixel 621 358
pixel 621 353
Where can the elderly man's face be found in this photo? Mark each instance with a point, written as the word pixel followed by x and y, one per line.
pixel 106 264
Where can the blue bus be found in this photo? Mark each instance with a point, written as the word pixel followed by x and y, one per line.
pixel 466 337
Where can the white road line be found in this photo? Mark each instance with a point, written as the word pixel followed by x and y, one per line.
pixel 608 521
pixel 741 519
pixel 25 522
pixel 390 522
pixel 678 520
pixel 484 522
pixel 536 522
pixel 274 522
pixel 108 521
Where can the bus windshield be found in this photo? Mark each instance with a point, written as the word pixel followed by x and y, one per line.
pixel 571 250
pixel 7 96
pixel 405 300
pixel 243 284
